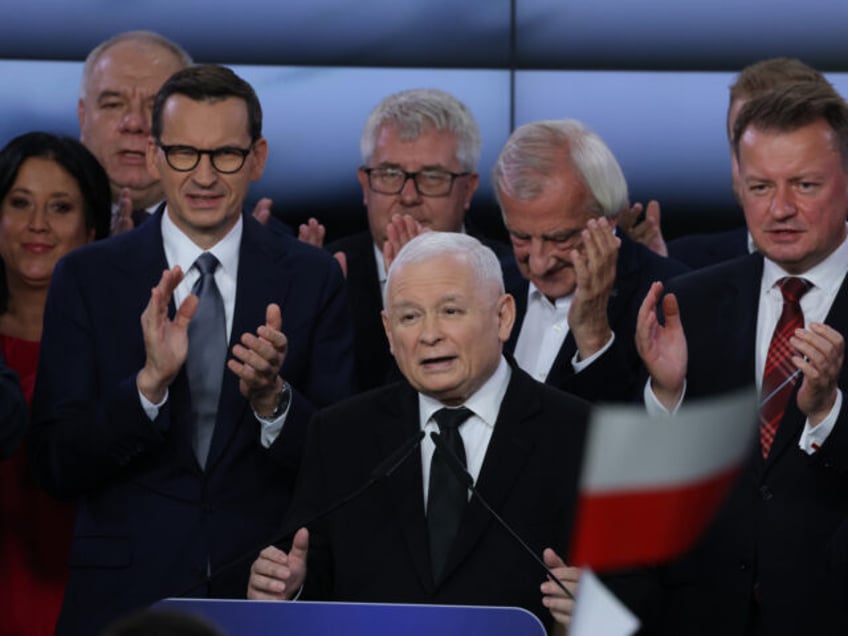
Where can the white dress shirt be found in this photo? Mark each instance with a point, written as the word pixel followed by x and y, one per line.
pixel 181 250
pixel 826 278
pixel 476 431
pixel 543 331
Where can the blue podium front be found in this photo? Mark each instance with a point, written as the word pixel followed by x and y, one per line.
pixel 252 618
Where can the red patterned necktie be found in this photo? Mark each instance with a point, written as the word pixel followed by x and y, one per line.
pixel 779 376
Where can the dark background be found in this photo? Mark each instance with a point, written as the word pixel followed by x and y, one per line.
pixel 650 76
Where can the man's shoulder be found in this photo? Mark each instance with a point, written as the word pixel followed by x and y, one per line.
pixel 381 399
pixel 735 272
pixel 636 257
pixel 354 244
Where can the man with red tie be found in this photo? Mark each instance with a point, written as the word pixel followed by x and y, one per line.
pixel 773 561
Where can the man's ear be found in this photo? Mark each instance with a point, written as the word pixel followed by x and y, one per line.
pixel 388 329
pixel 506 316
pixel 150 155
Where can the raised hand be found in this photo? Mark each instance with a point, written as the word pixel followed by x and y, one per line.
pixel 257 362
pixel 649 231
pixel 594 268
pixel 820 354
pixel 663 349
pixel 165 340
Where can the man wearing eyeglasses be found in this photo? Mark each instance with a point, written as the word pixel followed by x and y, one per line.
pixel 578 285
pixel 420 150
pixel 181 435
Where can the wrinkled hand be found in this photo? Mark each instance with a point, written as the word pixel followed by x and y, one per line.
pixel 122 221
pixel 276 575
pixel 820 355
pixel 400 231
pixel 258 360
pixel 165 340
pixel 262 211
pixel 663 349
pixel 594 269
pixel 649 231
pixel 312 232
pixel 559 605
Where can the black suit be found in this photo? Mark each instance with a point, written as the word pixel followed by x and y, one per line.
pixel 376 547
pixel 783 530
pixel 374 364
pixel 617 374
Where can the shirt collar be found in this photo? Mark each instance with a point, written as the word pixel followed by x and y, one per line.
pixel 536 296
pixel 485 403
pixel 826 275
pixel 181 250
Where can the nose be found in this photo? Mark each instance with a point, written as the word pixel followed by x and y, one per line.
pixel 538 259
pixel 409 192
pixel 431 332
pixel 782 203
pixel 204 174
pixel 38 219
pixel 136 119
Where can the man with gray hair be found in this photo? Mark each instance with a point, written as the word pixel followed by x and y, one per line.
pixel 580 286
pixel 446 317
pixel 420 150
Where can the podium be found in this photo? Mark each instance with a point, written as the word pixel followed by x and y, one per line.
pixel 306 618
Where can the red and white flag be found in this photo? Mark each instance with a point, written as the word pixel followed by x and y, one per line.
pixel 650 485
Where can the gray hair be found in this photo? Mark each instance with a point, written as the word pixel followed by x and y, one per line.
pixel 147 37
pixel 536 152
pixel 411 111
pixel 427 245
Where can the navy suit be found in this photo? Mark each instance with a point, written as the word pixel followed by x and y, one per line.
pixel 703 250
pixel 774 559
pixel 376 547
pixel 13 410
pixel 618 373
pixel 150 520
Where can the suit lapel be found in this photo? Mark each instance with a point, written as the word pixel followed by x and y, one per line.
pixel 405 486
pixel 507 455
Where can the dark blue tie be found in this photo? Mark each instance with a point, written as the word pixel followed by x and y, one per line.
pixel 207 355
pixel 447 495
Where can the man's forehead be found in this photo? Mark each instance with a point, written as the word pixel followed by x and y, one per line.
pixel 135 61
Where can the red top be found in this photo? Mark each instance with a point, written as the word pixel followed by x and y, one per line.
pixel 35 530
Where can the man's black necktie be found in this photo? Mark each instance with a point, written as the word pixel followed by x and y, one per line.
pixel 447 496
pixel 207 355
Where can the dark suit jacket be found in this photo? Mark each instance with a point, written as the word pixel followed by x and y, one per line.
pixel 783 529
pixel 13 410
pixel 150 520
pixel 618 374
pixel 376 549
pixel 703 250
pixel 374 363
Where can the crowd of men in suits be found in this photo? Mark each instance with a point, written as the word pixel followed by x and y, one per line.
pixel 189 447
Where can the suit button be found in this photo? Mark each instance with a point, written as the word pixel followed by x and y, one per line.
pixel 765 493
pixel 743 566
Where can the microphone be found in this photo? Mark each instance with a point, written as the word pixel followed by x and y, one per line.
pixel 468 481
pixel 381 471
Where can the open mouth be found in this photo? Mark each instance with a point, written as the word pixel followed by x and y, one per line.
pixel 438 363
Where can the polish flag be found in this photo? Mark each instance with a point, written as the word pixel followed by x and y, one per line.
pixel 650 485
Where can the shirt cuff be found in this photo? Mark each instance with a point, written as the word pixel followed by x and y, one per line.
pixel 654 406
pixel 271 428
pixel 579 365
pixel 151 409
pixel 813 437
